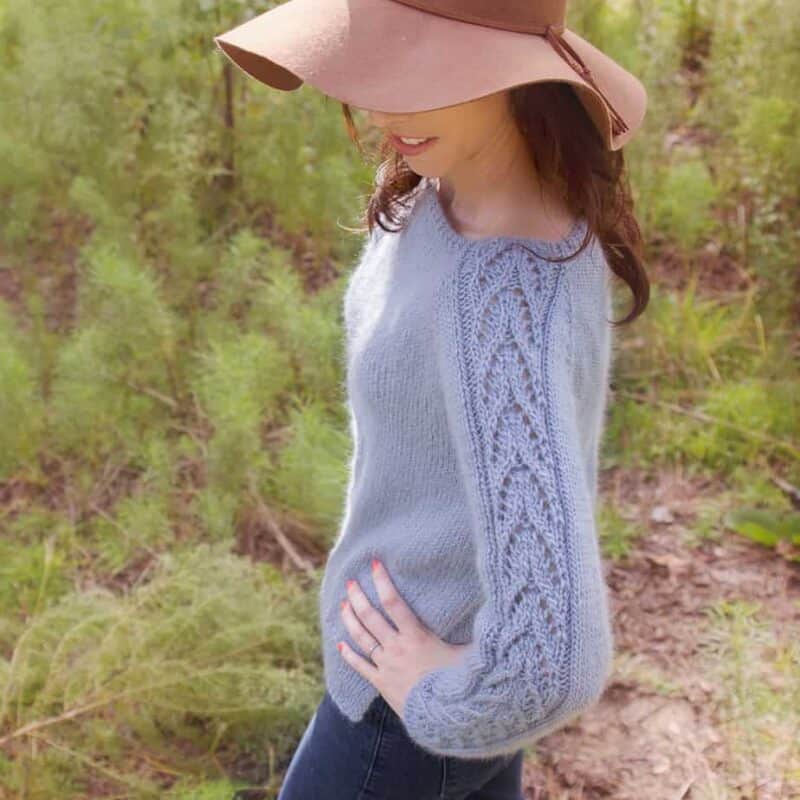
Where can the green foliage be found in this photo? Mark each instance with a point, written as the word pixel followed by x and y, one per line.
pixel 767 132
pixel 120 296
pixel 715 390
pixel 752 107
pixel 31 576
pixel 315 339
pixel 112 372
pixel 213 790
pixel 238 384
pixel 138 522
pixel 22 176
pixel 91 410
pixel 630 435
pixel 771 408
pixel 248 263
pixel 684 201
pixel 617 534
pixel 734 425
pixel 311 474
pixel 21 407
pixel 647 38
pixel 310 142
pixel 216 510
pixel 691 339
pixel 275 300
pixel 210 651
pixel 767 527
pixel 754 671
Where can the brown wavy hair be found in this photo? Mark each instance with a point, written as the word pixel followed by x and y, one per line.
pixel 567 151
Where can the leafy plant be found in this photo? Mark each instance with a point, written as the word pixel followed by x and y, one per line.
pixel 779 530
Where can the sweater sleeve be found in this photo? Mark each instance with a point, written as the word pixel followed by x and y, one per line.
pixel 541 648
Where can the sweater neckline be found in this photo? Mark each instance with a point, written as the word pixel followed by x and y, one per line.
pixel 565 246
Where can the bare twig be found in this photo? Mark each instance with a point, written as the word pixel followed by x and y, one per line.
pixel 266 516
pixel 155 394
pixel 791 491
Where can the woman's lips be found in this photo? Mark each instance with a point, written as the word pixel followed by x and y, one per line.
pixel 411 149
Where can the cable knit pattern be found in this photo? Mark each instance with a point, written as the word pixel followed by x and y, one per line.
pixel 520 357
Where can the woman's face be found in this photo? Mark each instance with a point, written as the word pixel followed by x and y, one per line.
pixel 468 135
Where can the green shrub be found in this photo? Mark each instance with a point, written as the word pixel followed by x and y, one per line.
pixel 211 651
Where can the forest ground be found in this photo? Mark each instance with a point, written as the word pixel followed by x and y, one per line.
pixel 698 705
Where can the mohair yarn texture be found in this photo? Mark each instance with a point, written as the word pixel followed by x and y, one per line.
pixel 477 382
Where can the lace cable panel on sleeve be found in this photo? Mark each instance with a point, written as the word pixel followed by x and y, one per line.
pixel 517 682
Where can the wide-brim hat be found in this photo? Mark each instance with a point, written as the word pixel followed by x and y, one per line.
pixel 403 56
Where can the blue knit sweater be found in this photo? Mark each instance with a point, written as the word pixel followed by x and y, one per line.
pixel 477 378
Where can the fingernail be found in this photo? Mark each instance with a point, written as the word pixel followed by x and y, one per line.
pixel 339 647
pixel 350 584
pixel 343 604
pixel 375 564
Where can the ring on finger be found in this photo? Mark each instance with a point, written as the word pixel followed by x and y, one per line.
pixel 372 650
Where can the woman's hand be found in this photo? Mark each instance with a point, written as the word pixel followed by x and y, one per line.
pixel 405 654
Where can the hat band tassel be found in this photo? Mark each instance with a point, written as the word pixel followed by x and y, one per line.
pixel 563 48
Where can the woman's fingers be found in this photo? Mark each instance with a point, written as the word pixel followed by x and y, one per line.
pixel 393 602
pixel 377 628
pixel 361 636
pixel 360 664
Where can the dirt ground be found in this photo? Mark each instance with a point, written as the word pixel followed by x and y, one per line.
pixel 659 731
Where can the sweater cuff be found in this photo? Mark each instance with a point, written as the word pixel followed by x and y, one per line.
pixel 432 722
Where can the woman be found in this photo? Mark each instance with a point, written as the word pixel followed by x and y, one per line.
pixel 463 607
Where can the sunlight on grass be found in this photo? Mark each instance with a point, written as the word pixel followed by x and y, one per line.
pixel 634 667
pixel 211 651
pixel 616 532
pixel 756 671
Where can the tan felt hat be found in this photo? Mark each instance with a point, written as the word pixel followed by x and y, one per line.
pixel 402 56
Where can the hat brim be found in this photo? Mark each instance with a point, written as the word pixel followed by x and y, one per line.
pixel 383 55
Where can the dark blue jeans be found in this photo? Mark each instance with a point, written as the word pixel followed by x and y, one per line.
pixel 374 759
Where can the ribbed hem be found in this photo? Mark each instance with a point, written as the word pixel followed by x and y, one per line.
pixel 560 248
